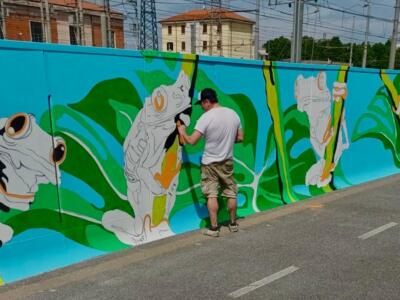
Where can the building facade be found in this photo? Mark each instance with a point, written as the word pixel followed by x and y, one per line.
pixel 216 32
pixel 61 21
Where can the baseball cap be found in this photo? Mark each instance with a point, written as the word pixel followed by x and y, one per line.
pixel 207 93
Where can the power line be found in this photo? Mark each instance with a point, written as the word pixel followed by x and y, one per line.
pixel 289 21
pixel 279 17
pixel 350 12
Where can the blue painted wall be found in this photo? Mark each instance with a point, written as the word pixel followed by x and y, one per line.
pixel 310 129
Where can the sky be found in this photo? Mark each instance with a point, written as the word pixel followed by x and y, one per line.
pixel 321 17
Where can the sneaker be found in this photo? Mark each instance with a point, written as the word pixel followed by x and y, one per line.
pixel 213 233
pixel 233 227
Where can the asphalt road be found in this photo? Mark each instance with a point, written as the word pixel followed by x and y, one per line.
pixel 344 245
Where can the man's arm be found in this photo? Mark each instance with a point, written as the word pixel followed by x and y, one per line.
pixel 239 136
pixel 190 139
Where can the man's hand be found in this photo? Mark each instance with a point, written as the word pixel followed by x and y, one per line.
pixel 185 119
pixel 182 132
pixel 181 128
pixel 190 139
pixel 239 136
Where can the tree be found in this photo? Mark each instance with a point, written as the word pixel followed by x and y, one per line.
pixel 278 49
pixel 333 50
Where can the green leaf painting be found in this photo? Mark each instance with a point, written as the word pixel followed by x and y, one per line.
pixel 97 104
pixel 95 128
pixel 380 121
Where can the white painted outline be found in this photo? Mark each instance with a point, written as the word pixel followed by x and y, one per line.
pixel 255 285
pixel 84 146
pixel 126 116
pixel 377 230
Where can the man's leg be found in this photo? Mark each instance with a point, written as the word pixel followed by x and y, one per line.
pixel 209 187
pixel 230 192
pixel 212 205
pixel 232 206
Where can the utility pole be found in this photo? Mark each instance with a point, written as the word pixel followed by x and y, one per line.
pixel 148 36
pixel 81 25
pixel 352 42
pixel 109 31
pixel 103 26
pixel 133 16
pixel 215 15
pixel 393 45
pixel 257 31
pixel 77 26
pixel 42 21
pixel 48 28
pixel 315 32
pixel 297 37
pixel 212 17
pixel 2 20
pixel 108 22
pixel 219 29
pixel 364 61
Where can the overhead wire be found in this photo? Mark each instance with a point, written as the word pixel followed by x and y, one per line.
pixel 282 17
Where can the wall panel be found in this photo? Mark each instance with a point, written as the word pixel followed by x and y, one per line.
pixel 89 137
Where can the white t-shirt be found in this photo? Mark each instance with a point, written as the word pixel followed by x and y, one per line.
pixel 219 127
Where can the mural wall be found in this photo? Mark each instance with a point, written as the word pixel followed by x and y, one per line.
pixel 91 161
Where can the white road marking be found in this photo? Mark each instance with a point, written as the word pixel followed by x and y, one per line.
pixel 377 230
pixel 255 285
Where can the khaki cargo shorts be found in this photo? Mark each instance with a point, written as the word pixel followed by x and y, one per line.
pixel 218 175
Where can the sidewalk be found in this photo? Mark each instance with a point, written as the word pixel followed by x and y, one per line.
pixel 342 245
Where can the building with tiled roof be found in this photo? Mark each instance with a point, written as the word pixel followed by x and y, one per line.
pixel 217 32
pixel 61 21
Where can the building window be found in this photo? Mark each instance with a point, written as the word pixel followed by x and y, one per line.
pixel 183 29
pixel 73 40
pixel 219 45
pixel 169 30
pixel 204 45
pixel 204 28
pixel 183 46
pixel 170 46
pixel 112 44
pixel 36 31
pixel 219 28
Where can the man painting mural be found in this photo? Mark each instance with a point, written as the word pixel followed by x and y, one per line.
pixel 221 128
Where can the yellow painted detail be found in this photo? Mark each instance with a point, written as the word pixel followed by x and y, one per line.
pixel 188 64
pixel 170 168
pixel 391 88
pixel 171 164
pixel 274 107
pixel 337 115
pixel 159 204
pixel 1 281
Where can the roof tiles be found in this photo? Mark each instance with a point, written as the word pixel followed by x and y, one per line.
pixel 206 14
pixel 74 3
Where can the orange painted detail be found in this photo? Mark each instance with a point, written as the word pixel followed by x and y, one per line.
pixel 158 103
pixel 328 171
pixel 170 167
pixel 28 197
pixel 328 131
pixel 317 205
